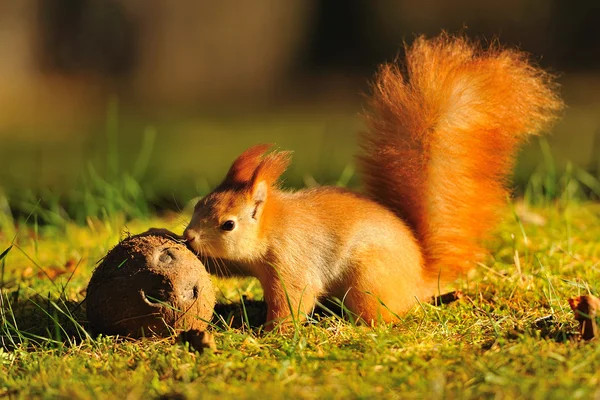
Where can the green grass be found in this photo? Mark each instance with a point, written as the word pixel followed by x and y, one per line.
pixel 489 344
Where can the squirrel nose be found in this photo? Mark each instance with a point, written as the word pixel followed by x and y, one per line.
pixel 189 235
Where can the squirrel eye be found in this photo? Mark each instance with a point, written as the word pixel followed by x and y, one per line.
pixel 228 225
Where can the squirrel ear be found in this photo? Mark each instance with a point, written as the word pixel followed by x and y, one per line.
pixel 259 192
pixel 271 167
pixel 243 168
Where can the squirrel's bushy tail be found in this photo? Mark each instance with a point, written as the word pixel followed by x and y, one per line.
pixel 442 138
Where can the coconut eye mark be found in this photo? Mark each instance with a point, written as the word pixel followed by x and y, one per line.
pixel 228 225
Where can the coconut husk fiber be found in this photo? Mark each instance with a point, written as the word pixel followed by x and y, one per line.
pixel 149 285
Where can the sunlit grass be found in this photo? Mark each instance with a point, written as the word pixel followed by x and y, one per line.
pixel 491 342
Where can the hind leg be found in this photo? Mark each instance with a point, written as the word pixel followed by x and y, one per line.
pixel 381 286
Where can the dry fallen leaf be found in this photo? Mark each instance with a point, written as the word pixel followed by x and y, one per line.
pixel 27 272
pixel 54 271
pixel 586 312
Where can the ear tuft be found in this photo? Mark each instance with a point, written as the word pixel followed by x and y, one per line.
pixel 272 167
pixel 243 168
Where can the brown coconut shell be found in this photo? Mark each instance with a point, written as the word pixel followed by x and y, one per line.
pixel 149 285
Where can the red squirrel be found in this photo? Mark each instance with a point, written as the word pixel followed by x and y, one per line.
pixel 442 134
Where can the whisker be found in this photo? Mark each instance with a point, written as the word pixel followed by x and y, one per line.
pixel 183 221
pixel 215 261
pixel 222 267
pixel 176 203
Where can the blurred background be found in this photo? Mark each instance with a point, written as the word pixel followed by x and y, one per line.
pixel 160 96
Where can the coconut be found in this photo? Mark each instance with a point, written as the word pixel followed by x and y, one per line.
pixel 149 285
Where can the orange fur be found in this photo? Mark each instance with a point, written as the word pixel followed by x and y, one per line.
pixel 272 166
pixel 243 168
pixel 435 160
pixel 442 141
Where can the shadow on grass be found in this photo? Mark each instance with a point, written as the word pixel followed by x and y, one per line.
pixel 45 320
pixel 38 320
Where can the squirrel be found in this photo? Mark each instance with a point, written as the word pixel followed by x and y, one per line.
pixel 442 134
